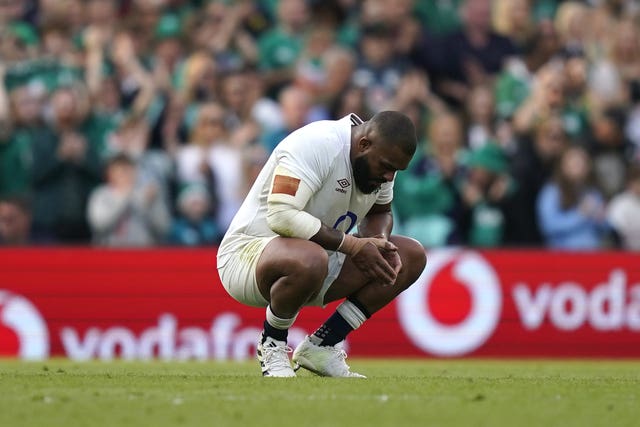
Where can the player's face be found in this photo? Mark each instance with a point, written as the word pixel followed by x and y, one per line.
pixel 376 165
pixel 363 177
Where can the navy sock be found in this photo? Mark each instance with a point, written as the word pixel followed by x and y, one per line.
pixel 275 333
pixel 334 330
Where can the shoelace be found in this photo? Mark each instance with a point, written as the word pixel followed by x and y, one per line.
pixel 342 356
pixel 276 356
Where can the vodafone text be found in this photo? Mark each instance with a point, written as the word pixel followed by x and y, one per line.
pixel 225 339
pixel 609 306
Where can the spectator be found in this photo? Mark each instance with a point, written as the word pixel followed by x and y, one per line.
pixel 122 213
pixel 532 165
pixel 571 212
pixel 280 47
pixel 103 15
pixel 339 64
pixel 198 80
pixel 148 14
pixel 351 100
pixel 513 84
pixel 481 120
pixel 18 41
pixel 472 55
pixel 546 98
pixel 428 203
pixel 414 89
pixel 57 43
pixel 485 190
pixel 194 225
pixel 12 11
pixel 227 163
pixel 295 107
pixel 122 98
pixel 154 166
pixel 64 173
pixel 570 20
pixel 221 30
pixel 610 151
pixel 66 167
pixel 132 134
pixel 168 50
pixel 577 109
pixel 439 17
pixel 241 95
pixel 396 14
pixel 264 111
pixel 71 12
pixel 514 20
pixel 15 221
pixel 379 70
pixel 615 77
pixel 625 54
pixel 192 159
pixel 624 210
pixel 310 72
pixel 23 125
pixel 210 159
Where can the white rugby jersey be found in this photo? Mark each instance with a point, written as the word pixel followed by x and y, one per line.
pixel 318 154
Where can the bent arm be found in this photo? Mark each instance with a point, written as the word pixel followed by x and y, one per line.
pixel 377 222
pixel 285 215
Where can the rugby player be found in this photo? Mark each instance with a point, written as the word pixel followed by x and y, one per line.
pixel 291 243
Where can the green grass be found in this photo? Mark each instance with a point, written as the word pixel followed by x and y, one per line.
pixel 397 393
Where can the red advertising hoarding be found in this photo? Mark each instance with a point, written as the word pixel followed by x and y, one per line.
pixel 169 304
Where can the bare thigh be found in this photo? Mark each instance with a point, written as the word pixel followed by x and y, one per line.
pixel 300 263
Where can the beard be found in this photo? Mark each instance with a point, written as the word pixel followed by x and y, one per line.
pixel 363 177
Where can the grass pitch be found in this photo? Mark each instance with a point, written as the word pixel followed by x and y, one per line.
pixel 397 393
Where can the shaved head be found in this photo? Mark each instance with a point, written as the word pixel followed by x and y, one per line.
pixel 394 128
pixel 380 147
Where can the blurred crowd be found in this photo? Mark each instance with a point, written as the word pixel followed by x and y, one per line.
pixel 144 122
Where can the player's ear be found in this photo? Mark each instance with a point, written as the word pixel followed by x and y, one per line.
pixel 364 144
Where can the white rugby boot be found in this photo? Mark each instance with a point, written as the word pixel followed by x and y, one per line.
pixel 326 361
pixel 273 356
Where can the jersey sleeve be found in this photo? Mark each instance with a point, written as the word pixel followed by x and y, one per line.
pixel 385 194
pixel 309 154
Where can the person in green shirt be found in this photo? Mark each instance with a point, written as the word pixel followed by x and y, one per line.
pixel 427 200
pixel 484 193
pixel 66 167
pixel 439 17
pixel 280 47
pixel 22 126
pixel 15 163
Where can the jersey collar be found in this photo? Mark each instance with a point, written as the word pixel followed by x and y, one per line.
pixel 355 120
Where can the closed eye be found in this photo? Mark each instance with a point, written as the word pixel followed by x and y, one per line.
pixel 388 166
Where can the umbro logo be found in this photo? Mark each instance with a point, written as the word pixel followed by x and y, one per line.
pixel 344 183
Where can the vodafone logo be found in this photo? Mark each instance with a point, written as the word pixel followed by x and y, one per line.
pixel 428 316
pixel 23 331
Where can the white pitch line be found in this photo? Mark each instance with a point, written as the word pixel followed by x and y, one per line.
pixel 355 397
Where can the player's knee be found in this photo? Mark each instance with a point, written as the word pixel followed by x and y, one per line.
pixel 311 266
pixel 414 259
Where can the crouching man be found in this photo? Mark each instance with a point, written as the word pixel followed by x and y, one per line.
pixel 290 245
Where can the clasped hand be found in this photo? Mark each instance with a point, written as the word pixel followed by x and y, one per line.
pixel 377 258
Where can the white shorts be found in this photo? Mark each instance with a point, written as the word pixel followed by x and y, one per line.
pixel 237 264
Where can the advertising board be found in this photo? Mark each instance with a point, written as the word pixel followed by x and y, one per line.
pixel 169 304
